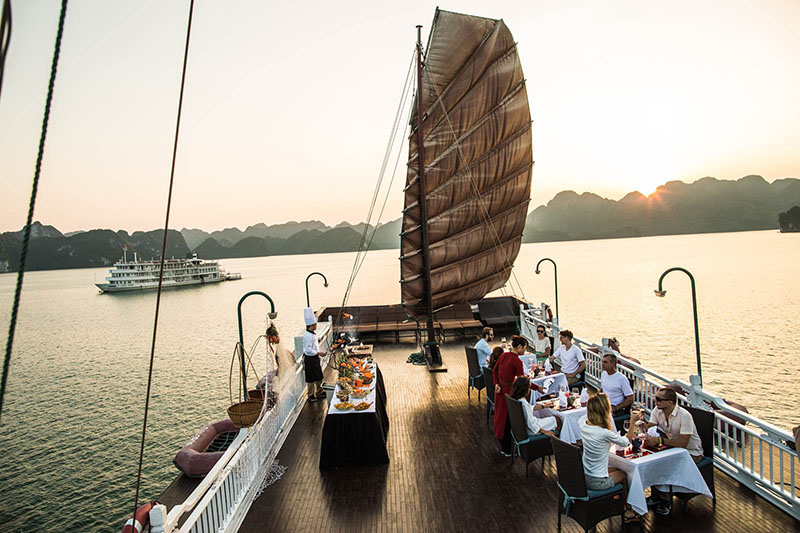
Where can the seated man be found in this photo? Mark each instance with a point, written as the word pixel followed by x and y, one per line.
pixel 482 346
pixel 573 364
pixel 617 387
pixel 678 425
pixel 541 344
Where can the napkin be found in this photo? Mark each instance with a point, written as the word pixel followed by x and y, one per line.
pixel 584 396
pixel 546 385
pixel 547 366
pixel 562 398
pixel 652 431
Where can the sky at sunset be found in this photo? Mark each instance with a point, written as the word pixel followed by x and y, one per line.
pixel 289 106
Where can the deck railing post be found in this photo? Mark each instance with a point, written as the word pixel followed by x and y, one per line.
pixel 694 398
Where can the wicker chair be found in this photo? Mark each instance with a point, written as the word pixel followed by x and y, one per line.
pixel 488 379
pixel 475 374
pixel 586 507
pixel 704 422
pixel 527 447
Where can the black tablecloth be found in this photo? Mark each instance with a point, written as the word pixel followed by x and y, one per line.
pixel 357 438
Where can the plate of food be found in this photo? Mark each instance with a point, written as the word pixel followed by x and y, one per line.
pixel 363 406
pixel 361 393
pixel 343 406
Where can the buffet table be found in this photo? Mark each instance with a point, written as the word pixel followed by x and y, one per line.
pixel 356 437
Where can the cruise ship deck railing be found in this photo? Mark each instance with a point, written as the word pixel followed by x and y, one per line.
pixel 222 500
pixel 750 450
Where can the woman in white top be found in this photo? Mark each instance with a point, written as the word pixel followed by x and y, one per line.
pixel 597 436
pixel 541 344
pixel 537 424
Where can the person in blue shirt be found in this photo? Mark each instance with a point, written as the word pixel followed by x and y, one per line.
pixel 482 346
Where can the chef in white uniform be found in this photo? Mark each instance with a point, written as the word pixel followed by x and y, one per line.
pixel 311 357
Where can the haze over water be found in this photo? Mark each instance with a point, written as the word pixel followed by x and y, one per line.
pixel 75 398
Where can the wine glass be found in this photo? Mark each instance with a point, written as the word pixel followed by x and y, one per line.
pixel 576 391
pixel 626 425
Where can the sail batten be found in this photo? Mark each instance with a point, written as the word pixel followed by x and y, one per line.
pixel 475 128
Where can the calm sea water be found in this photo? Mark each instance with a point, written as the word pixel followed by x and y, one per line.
pixel 74 405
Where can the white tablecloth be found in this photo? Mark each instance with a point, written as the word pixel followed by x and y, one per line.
pixel 558 379
pixel 671 467
pixel 370 397
pixel 570 429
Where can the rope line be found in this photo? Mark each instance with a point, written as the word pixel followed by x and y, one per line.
pixel 163 255
pixel 362 248
pixel 26 234
pixel 5 38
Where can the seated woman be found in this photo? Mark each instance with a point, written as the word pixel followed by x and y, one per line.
pixel 521 390
pixel 597 435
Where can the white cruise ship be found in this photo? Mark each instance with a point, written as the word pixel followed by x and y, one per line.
pixel 141 275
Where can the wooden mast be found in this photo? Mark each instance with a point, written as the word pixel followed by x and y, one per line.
pixel 432 352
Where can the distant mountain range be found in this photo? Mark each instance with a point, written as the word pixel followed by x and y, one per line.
pixel 708 205
pixel 705 206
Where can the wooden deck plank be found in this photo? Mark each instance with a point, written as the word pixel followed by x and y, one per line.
pixel 446 473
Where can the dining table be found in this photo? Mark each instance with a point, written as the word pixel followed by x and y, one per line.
pixel 672 468
pixel 356 437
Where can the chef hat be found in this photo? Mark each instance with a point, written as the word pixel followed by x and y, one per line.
pixel 309 317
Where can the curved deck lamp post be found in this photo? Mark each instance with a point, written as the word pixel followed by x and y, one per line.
pixel 660 292
pixel 272 314
pixel 308 301
pixel 555 273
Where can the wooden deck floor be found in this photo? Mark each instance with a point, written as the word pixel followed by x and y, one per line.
pixel 446 473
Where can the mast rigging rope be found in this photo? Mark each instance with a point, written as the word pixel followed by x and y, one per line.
pixel 5 38
pixel 362 249
pixel 163 255
pixel 26 233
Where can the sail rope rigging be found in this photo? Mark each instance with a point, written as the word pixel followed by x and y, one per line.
pixel 364 246
pixel 5 38
pixel 26 233
pixel 161 268
pixel 484 211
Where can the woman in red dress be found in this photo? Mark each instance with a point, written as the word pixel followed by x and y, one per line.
pixel 508 367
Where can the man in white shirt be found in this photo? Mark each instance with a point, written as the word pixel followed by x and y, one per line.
pixel 676 423
pixel 678 426
pixel 616 386
pixel 541 344
pixel 482 346
pixel 573 364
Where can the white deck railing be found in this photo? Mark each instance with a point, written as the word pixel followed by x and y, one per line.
pixel 753 452
pixel 220 503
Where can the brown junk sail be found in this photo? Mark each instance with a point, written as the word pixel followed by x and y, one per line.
pixel 477 153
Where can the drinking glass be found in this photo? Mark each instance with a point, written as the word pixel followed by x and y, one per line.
pixel 576 391
pixel 626 425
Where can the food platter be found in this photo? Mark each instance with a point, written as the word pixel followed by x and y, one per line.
pixel 362 406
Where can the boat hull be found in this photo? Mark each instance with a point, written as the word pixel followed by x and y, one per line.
pixel 167 284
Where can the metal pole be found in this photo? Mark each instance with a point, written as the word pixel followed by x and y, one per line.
pixel 272 315
pixel 423 202
pixel 555 274
pixel 308 301
pixel 661 293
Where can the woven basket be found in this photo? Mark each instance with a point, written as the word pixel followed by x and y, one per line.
pixel 245 414
pixel 257 394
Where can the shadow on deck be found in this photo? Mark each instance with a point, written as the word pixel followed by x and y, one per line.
pixel 446 473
